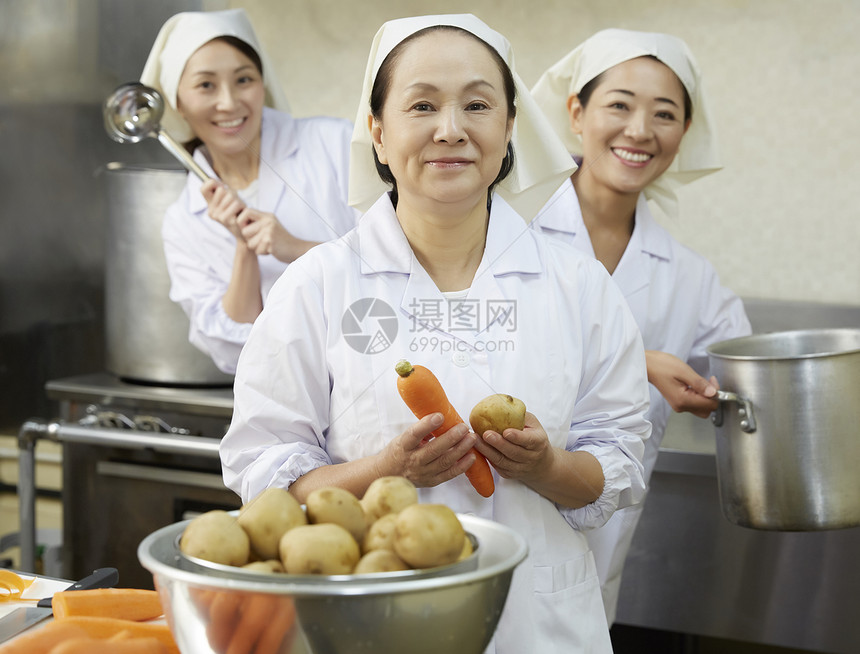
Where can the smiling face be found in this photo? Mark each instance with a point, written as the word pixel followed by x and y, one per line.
pixel 632 125
pixel 221 95
pixel 444 125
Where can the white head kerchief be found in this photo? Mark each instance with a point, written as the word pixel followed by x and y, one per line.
pixel 179 38
pixel 698 154
pixel 540 161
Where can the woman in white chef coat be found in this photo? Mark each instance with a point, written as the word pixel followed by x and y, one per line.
pixel 278 187
pixel 631 109
pixel 442 270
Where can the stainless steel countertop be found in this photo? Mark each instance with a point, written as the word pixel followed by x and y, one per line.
pixel 107 389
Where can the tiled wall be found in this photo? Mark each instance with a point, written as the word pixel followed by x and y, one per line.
pixel 780 221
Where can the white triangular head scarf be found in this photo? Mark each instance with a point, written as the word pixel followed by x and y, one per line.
pixel 698 154
pixel 540 160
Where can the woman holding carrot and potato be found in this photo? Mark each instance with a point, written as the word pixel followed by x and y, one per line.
pixel 449 156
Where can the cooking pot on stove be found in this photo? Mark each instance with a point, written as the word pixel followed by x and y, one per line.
pixel 147 333
pixel 788 429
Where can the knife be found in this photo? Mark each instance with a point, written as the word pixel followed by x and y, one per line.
pixel 25 617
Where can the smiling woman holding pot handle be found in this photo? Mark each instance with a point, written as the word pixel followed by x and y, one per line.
pixel 278 187
pixel 631 109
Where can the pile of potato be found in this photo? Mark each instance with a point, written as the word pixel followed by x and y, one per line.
pixel 334 534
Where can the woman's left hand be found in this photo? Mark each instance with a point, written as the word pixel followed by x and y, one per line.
pixel 522 454
pixel 264 234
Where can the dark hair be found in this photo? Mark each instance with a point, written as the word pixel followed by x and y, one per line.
pixel 381 84
pixel 246 49
pixel 584 94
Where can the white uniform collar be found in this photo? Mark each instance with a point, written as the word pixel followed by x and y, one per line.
pixel 563 214
pixel 510 247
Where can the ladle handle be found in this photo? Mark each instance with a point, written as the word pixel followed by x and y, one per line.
pixel 182 154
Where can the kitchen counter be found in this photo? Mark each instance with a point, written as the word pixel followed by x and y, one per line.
pixel 41 587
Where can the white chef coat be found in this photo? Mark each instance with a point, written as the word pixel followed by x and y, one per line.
pixel 302 180
pixel 306 394
pixel 681 308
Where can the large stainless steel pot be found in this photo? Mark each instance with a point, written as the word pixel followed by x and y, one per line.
pixel 788 429
pixel 147 333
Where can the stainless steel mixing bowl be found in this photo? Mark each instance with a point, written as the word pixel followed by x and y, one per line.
pixel 455 612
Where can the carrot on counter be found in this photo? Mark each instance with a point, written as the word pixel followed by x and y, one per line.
pixel 123 603
pixel 43 639
pixel 423 394
pixel 104 628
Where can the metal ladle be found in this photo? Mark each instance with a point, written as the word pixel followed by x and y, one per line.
pixel 133 112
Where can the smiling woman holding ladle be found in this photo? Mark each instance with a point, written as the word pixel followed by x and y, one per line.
pixel 265 187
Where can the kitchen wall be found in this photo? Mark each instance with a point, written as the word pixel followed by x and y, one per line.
pixel 778 222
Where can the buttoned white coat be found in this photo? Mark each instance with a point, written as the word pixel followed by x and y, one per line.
pixel 316 385
pixel 681 308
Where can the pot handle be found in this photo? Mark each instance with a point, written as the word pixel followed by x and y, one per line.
pixel 745 411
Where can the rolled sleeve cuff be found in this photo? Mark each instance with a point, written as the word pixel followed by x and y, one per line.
pixel 624 485
pixel 249 473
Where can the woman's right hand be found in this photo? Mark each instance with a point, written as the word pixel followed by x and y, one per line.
pixel 224 206
pixel 427 461
pixel 684 389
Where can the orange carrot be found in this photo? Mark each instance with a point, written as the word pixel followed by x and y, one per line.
pixel 223 616
pixel 42 639
pixel 124 603
pixel 256 613
pixel 423 394
pixel 110 646
pixel 278 630
pixel 202 599
pixel 104 628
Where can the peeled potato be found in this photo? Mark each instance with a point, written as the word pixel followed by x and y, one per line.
pixel 323 549
pixel 337 506
pixel 217 537
pixel 388 495
pixel 267 517
pixel 379 561
pixel 428 535
pixel 498 413
pixel 380 535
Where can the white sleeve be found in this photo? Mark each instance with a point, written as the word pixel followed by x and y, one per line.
pixel 613 399
pixel 721 316
pixel 281 391
pixel 197 285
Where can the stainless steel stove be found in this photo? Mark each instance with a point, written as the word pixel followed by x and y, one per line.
pixel 136 457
